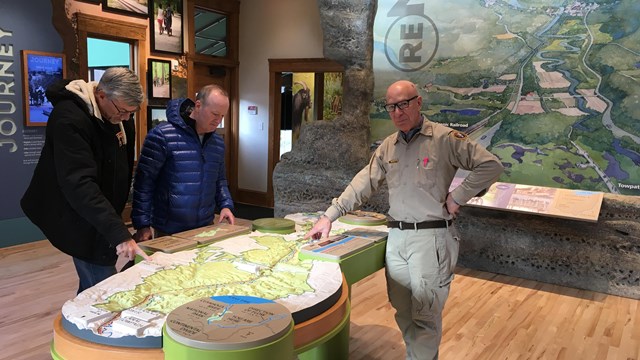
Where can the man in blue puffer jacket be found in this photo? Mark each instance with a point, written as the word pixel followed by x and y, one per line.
pixel 180 179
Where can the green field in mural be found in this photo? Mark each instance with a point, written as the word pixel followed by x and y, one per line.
pixel 551 87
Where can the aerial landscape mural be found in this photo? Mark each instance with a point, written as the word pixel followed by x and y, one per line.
pixel 551 87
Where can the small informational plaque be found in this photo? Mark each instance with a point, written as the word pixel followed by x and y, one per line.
pixel 364 218
pixel 366 233
pixel 228 323
pixel 334 248
pixel 167 244
pixel 212 233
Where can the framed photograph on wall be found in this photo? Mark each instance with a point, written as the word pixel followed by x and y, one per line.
pixel 159 79
pixel 155 116
pixel 136 8
pixel 165 24
pixel 39 70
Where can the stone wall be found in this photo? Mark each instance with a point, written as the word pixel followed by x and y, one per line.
pixel 602 256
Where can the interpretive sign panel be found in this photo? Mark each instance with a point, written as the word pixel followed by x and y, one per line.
pixel 565 203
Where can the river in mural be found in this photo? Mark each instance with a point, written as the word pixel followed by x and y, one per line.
pixel 551 87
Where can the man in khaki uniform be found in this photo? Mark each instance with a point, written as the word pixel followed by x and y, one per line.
pixel 418 163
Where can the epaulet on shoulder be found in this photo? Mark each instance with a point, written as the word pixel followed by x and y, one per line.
pixel 458 135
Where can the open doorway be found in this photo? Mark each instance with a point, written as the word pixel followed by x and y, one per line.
pixel 289 78
pixel 305 97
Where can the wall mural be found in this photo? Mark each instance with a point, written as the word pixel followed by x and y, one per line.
pixel 551 87
pixel 332 95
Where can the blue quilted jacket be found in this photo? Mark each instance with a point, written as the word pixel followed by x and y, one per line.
pixel 179 182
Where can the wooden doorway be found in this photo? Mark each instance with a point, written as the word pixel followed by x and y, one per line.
pixel 218 66
pixel 278 67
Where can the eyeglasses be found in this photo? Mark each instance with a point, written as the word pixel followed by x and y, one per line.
pixel 399 105
pixel 120 111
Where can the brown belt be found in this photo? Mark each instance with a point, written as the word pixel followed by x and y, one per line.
pixel 420 225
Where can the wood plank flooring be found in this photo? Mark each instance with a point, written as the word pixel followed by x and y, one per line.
pixel 487 316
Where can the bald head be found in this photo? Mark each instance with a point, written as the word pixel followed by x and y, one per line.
pixel 405 112
pixel 403 88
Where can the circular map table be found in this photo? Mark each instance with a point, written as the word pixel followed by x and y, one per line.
pixel 123 316
pixel 325 336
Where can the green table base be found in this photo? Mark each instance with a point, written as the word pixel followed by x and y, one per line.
pixel 54 354
pixel 332 346
pixel 280 349
pixel 363 263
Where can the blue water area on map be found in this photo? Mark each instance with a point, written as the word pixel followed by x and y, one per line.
pixel 237 299
pixel 464 112
pixel 634 156
pixel 613 168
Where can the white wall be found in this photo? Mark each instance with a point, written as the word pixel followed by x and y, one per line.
pixel 273 29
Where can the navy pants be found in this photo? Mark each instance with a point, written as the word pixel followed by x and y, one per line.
pixel 91 274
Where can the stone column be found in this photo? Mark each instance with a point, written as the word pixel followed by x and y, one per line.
pixel 329 153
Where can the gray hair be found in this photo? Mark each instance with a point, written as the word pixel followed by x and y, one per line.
pixel 204 92
pixel 122 84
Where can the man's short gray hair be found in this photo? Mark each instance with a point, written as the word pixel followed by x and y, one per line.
pixel 203 94
pixel 122 84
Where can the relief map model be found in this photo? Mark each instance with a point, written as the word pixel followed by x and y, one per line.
pixel 136 302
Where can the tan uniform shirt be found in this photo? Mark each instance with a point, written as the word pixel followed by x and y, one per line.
pixel 419 174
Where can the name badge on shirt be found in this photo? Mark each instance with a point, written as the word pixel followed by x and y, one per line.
pixel 393 161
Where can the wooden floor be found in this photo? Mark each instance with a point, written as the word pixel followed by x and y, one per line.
pixel 487 316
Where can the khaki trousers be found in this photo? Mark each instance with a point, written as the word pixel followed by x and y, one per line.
pixel 419 271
